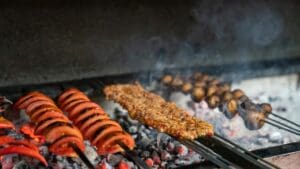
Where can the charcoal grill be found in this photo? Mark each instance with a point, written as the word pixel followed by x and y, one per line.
pixel 52 45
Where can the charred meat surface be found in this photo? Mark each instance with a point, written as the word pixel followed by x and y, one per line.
pixel 154 111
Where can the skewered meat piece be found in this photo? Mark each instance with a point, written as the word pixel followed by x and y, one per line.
pixel 266 108
pixel 200 84
pixel 213 101
pixel 206 78
pixel 251 113
pixel 187 87
pixel 214 82
pixel 94 123
pixel 152 110
pixel 177 82
pixel 211 90
pixel 198 94
pixel 197 76
pixel 224 87
pixel 227 96
pixel 52 123
pixel 167 79
pixel 254 120
pixel 238 93
pixel 231 108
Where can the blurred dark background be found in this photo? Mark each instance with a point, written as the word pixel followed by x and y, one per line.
pixel 53 41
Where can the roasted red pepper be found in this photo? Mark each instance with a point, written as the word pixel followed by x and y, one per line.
pixel 7 141
pixel 5 124
pixel 28 129
pixel 51 122
pixel 17 149
pixel 62 146
pixel 60 131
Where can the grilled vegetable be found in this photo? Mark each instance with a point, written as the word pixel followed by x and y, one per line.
pixel 13 149
pixel 10 145
pixel 51 123
pixel 93 122
pixel 5 124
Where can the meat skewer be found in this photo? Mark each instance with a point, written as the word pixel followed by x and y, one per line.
pixel 230 103
pixel 154 111
pixel 256 115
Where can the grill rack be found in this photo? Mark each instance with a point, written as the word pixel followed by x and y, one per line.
pixel 205 147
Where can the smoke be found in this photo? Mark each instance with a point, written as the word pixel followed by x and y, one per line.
pixel 255 22
pixel 261 27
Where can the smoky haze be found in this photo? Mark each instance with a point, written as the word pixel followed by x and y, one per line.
pixel 55 41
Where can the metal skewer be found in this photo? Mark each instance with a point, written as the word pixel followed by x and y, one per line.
pixel 281 127
pixel 285 125
pixel 82 156
pixel 234 153
pixel 282 118
pixel 207 154
pixel 131 154
pixel 246 151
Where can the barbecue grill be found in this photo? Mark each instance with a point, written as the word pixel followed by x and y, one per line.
pixel 52 46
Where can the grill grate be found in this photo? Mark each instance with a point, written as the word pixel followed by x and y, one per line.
pixel 93 88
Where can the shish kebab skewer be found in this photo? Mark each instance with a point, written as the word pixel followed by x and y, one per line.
pixel 11 145
pixel 231 101
pixel 152 110
pixel 104 133
pixel 64 138
pixel 49 118
pixel 217 94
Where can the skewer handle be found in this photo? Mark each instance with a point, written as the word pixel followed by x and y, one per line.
pixel 282 118
pixel 280 127
pixel 234 154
